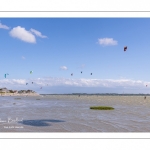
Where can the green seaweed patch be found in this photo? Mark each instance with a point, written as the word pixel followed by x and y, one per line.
pixel 101 108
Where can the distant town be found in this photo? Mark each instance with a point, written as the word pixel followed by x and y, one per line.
pixel 5 90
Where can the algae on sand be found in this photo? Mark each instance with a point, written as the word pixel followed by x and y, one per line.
pixel 101 108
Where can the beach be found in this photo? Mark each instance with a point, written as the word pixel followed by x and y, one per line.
pixel 18 94
pixel 72 113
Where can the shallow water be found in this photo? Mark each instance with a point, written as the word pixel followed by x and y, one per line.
pixel 70 113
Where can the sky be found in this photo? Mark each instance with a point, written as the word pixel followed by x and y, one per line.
pixel 54 48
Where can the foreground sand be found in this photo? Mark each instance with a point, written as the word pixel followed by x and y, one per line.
pixel 71 113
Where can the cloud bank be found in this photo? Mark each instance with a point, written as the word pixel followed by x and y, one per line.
pixel 66 85
pixel 110 83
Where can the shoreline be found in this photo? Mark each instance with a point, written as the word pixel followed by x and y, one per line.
pixel 16 94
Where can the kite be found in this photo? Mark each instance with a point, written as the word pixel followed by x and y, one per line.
pixel 125 48
pixel 31 72
pixel 5 74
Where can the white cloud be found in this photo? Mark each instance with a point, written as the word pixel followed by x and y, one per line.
pixel 63 68
pixel 22 34
pixel 23 57
pixel 83 65
pixel 64 85
pixel 107 41
pixel 12 81
pixel 108 83
pixel 4 26
pixel 37 33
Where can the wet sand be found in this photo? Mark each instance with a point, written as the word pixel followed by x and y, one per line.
pixel 71 113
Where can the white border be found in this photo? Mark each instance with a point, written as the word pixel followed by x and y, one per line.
pixel 74 14
pixel 74 5
pixel 65 135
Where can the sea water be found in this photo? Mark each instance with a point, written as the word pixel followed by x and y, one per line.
pixel 71 113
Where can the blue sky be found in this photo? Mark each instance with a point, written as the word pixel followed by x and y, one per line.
pixel 53 48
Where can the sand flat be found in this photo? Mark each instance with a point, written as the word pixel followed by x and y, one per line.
pixel 71 113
